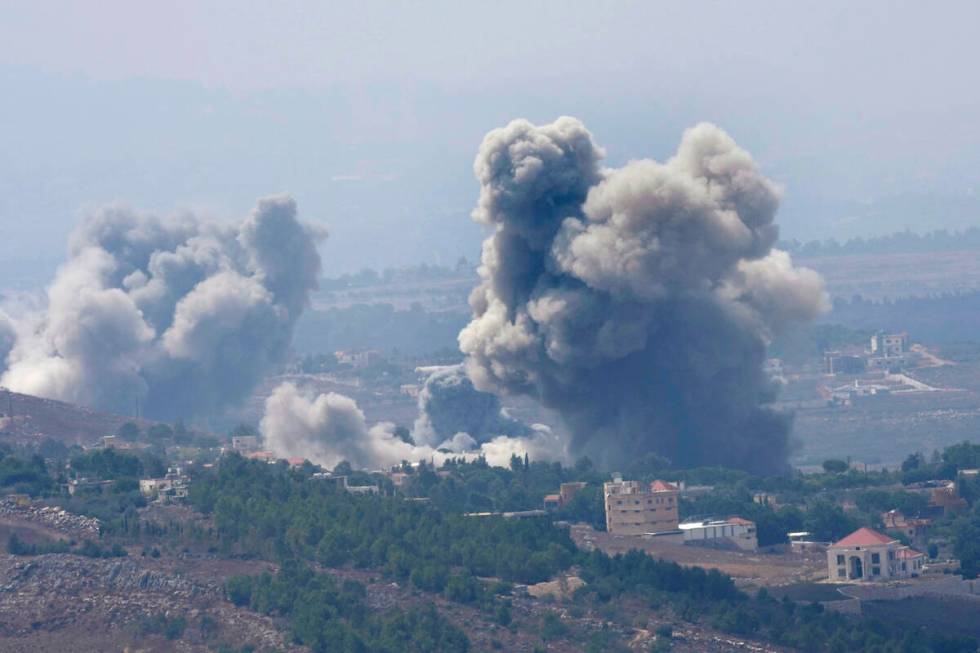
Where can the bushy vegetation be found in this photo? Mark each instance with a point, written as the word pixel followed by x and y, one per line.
pixel 270 510
pixel 88 548
pixel 22 476
pixel 274 511
pixel 330 616
pixel 940 240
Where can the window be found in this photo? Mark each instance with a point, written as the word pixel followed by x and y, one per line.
pixel 841 573
pixel 875 558
pixel 891 555
pixel 840 559
pixel 876 571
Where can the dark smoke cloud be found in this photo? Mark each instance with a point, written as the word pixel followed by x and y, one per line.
pixel 181 314
pixel 449 405
pixel 637 302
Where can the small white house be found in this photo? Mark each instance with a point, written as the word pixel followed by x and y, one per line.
pixel 867 555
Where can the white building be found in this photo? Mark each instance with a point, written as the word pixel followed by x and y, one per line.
pixel 889 345
pixel 734 530
pixel 172 487
pixel 867 555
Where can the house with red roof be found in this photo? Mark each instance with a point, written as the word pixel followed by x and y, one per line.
pixel 867 555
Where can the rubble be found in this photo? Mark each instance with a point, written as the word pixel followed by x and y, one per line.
pixel 72 525
pixel 61 592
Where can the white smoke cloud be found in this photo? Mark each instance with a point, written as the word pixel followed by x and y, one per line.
pixel 637 301
pixel 8 336
pixel 330 428
pixel 180 314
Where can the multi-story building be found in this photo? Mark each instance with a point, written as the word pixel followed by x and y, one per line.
pixel 889 345
pixel 867 555
pixel 633 508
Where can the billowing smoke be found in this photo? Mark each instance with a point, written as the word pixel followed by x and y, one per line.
pixel 8 336
pixel 638 301
pixel 330 428
pixel 449 405
pixel 182 315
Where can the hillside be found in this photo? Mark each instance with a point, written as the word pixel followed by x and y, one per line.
pixel 25 418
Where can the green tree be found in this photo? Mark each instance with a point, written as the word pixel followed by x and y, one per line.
pixel 835 466
pixel 129 431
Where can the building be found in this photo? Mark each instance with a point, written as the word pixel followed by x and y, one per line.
pixel 733 531
pixel 766 499
pixel 552 502
pixel 834 362
pixel 565 494
pixel 867 555
pixel 343 483
pixel 359 359
pixel 567 491
pixel 172 487
pixel 633 508
pixel 914 528
pixel 889 345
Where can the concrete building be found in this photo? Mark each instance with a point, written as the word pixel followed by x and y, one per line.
pixel 889 345
pixel 867 555
pixel 565 494
pixel 734 531
pixel 172 487
pixel 633 508
pixel 835 362
pixel 916 529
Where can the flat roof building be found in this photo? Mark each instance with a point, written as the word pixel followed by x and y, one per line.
pixel 633 508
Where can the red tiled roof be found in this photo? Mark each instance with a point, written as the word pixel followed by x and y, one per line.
pixel 908 553
pixel 740 520
pixel 865 537
pixel 552 497
pixel 662 486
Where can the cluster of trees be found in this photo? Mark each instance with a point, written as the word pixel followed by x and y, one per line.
pixel 160 434
pixel 88 548
pixel 330 616
pixel 946 318
pixel 272 511
pixel 25 476
pixel 475 486
pixel 939 240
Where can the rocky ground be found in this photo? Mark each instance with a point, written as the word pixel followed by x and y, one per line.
pixel 176 602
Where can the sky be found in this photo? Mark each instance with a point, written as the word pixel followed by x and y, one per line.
pixel 370 114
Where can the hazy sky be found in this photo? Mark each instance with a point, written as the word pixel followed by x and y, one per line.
pixel 371 113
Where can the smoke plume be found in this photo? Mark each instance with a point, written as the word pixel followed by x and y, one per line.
pixel 8 336
pixel 638 301
pixel 330 428
pixel 449 405
pixel 182 315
